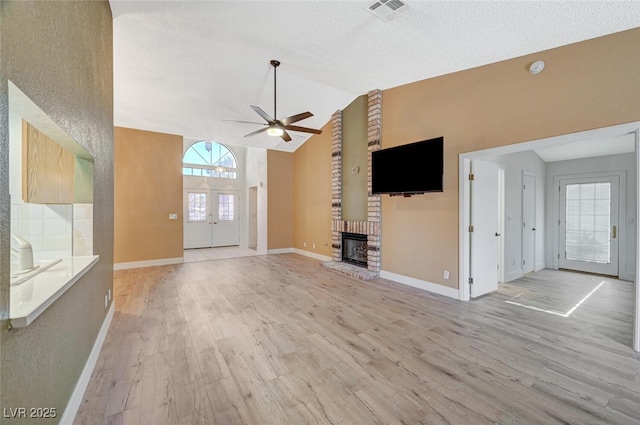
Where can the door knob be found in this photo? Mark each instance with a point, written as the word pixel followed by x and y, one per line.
pixel 534 229
pixel 614 232
pixel 497 234
pixel 215 222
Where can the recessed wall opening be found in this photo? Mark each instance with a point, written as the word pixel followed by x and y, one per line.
pixel 51 189
pixel 557 169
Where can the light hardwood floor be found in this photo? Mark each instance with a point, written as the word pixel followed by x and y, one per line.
pixel 280 340
pixel 220 253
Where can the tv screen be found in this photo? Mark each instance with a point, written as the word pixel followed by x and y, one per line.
pixel 408 169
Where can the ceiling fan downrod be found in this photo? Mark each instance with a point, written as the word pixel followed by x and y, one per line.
pixel 275 65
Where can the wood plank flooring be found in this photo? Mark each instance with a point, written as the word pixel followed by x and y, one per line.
pixel 219 253
pixel 281 340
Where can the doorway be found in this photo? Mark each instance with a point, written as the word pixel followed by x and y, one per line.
pixel 210 218
pixel 253 217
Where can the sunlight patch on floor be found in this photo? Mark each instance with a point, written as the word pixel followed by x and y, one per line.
pixel 556 313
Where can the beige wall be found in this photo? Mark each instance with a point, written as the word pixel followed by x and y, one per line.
pixel 584 86
pixel 280 199
pixel 148 187
pixel 59 54
pixel 312 193
pixel 354 154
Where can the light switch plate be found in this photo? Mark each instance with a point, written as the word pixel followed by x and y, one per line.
pixel 173 216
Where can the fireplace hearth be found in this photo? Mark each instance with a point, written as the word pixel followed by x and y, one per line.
pixel 354 249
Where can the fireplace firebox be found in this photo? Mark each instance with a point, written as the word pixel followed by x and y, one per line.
pixel 354 249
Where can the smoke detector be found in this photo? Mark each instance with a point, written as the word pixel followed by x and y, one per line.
pixel 536 67
pixel 387 9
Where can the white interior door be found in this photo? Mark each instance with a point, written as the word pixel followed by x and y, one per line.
pixel 528 222
pixel 226 229
pixel 485 221
pixel 589 224
pixel 253 217
pixel 501 222
pixel 197 218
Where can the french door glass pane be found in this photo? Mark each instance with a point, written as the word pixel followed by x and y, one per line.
pixel 225 207
pixel 197 207
pixel 588 220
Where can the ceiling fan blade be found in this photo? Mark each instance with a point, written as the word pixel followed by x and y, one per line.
pixel 303 129
pixel 245 122
pixel 263 114
pixel 285 136
pixel 253 133
pixel 296 118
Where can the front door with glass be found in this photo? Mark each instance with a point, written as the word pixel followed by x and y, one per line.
pixel 211 219
pixel 588 236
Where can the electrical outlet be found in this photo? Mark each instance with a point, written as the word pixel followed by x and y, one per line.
pixel 109 294
pixel 304 244
pixel 314 246
pixel 106 301
pixel 446 274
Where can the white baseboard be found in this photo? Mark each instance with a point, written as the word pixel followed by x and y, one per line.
pixel 421 284
pixel 516 274
pixel 627 276
pixel 148 263
pixel 299 251
pixel 81 386
pixel 311 254
pixel 280 251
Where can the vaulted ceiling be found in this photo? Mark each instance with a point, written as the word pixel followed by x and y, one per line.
pixel 182 67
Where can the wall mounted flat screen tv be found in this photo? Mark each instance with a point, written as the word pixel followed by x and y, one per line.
pixel 410 169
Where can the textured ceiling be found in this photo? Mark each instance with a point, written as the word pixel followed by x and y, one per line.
pixel 182 67
pixel 588 148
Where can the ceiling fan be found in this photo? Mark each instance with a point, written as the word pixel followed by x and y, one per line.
pixel 278 127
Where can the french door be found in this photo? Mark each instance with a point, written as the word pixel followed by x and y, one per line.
pixel 211 218
pixel 589 224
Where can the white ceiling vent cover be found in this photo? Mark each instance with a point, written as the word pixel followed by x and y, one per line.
pixel 387 9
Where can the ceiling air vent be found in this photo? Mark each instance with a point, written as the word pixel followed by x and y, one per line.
pixel 387 9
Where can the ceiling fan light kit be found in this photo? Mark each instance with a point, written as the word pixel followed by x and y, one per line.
pixel 275 131
pixel 274 126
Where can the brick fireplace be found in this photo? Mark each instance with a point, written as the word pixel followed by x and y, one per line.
pixel 371 227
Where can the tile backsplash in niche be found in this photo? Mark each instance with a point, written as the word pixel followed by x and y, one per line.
pixel 47 227
pixel 82 229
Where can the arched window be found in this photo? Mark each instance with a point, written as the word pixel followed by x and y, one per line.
pixel 209 159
